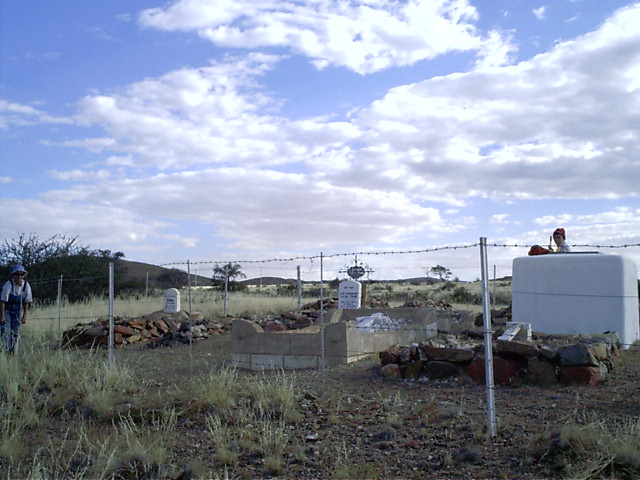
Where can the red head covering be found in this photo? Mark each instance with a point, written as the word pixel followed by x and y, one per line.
pixel 560 231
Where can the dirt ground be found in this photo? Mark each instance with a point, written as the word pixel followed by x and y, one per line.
pixel 400 429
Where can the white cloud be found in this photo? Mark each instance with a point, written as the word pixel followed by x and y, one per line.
pixel 5 179
pixel 80 175
pixel 540 13
pixel 560 125
pixel 12 113
pixel 271 204
pixel 362 36
pixel 95 224
pixel 499 218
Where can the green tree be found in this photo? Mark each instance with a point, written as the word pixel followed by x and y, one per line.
pixel 84 270
pixel 441 272
pixel 228 272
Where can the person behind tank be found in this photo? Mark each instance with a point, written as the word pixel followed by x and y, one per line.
pixel 559 238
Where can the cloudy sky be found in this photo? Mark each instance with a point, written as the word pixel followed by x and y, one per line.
pixel 256 129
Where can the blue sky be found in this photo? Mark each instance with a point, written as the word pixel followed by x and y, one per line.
pixel 254 129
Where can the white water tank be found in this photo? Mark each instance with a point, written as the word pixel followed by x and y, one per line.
pixel 573 293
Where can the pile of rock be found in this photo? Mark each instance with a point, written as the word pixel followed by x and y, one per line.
pixel 441 305
pixel 577 360
pixel 285 321
pixel 498 316
pixel 156 329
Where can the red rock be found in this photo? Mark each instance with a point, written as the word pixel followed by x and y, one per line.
pixel 580 375
pixel 439 370
pixel 275 327
pixel 455 355
pixel 137 323
pixel 541 372
pixel 504 371
pixel 523 349
pixel 413 370
pixel 391 371
pixel 124 330
pixel 388 356
pixel 161 326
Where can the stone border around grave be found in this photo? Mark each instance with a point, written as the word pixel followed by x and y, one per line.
pixel 586 360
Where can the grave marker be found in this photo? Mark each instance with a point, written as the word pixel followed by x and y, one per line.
pixel 172 301
pixel 349 294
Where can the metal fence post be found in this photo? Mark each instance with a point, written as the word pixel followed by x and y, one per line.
pixel 322 346
pixel 111 323
pixel 488 339
pixel 299 290
pixel 59 301
pixel 226 288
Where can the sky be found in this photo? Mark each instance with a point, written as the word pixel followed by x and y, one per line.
pixel 248 130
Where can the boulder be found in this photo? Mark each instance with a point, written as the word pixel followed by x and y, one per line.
pixel 504 371
pixel 580 375
pixel 439 370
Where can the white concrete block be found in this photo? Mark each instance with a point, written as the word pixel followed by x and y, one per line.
pixel 576 293
pixel 300 361
pixel 267 362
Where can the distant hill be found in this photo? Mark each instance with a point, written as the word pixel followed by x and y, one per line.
pixel 136 272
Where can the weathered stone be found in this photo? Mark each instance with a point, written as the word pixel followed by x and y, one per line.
pixel 549 352
pixel 541 372
pixel 405 356
pixel 134 338
pixel 439 370
pixel 173 326
pixel 293 316
pixel 581 375
pixel 413 369
pixel 275 327
pixel 456 355
pixel 413 351
pixel 515 347
pixel 504 371
pixel 124 330
pixel 95 331
pixel 137 323
pixel 576 355
pixel 392 370
pixel 600 351
pixel 161 326
pixel 391 355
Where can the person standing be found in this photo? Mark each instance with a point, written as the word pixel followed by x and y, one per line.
pixel 14 305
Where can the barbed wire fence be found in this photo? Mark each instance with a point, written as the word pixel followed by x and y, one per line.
pixel 313 268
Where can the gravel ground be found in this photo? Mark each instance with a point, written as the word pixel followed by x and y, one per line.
pixel 356 424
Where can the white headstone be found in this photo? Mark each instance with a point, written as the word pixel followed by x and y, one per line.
pixel 349 294
pixel 172 301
